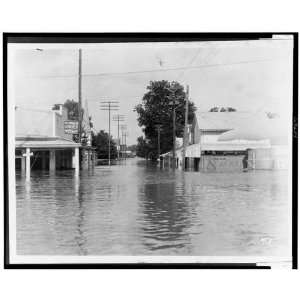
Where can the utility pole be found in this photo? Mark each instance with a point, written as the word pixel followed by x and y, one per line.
pixel 125 135
pixel 109 106
pixel 118 118
pixel 123 128
pixel 158 129
pixel 173 104
pixel 185 137
pixel 174 135
pixel 79 95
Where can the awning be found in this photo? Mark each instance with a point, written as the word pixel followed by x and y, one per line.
pixel 45 143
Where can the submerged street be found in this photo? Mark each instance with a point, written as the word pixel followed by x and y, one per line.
pixel 136 208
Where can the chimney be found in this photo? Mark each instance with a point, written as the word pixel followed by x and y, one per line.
pixel 58 108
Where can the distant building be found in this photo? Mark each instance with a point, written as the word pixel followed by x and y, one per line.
pixel 41 141
pixel 227 141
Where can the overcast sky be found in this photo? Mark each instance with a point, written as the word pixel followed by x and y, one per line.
pixel 247 75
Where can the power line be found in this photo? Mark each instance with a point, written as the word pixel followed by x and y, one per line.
pixel 161 70
pixel 190 63
pixel 118 118
pixel 109 106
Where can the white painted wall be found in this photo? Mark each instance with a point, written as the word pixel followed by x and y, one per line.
pixel 31 122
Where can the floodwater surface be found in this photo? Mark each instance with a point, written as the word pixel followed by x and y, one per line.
pixel 138 209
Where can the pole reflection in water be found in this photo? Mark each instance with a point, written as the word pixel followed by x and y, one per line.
pixel 80 239
pixel 136 208
pixel 166 215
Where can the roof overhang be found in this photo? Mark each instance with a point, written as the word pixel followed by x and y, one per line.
pixel 45 143
pixel 233 146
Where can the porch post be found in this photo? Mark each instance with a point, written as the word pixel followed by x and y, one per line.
pixel 52 160
pixel 27 163
pixel 76 160
pixel 23 163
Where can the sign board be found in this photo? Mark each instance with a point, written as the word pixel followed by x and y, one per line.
pixel 71 127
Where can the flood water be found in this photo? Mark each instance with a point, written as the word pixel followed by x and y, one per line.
pixel 138 209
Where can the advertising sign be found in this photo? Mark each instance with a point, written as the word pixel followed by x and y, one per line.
pixel 71 127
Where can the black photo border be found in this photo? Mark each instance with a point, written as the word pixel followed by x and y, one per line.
pixel 115 37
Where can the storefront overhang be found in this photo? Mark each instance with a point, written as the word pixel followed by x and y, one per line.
pixel 45 143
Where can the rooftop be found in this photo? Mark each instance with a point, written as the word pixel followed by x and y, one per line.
pixel 245 126
pixel 228 120
pixel 44 142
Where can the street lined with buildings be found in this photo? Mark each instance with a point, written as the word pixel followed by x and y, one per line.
pixel 168 173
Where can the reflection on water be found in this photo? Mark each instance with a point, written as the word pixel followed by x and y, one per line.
pixel 138 209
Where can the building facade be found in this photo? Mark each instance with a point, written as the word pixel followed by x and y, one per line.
pixel 231 141
pixel 41 141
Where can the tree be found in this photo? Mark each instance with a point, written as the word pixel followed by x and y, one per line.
pixel 222 109
pixel 230 109
pixel 142 148
pixel 100 142
pixel 156 109
pixel 72 108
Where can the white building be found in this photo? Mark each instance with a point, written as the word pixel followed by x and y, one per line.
pixel 223 140
pixel 41 141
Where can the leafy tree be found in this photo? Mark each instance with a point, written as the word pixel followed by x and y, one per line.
pixel 230 109
pixel 156 109
pixel 100 142
pixel 143 148
pixel 72 108
pixel 222 109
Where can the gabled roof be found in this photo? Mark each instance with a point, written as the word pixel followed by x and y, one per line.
pixel 223 121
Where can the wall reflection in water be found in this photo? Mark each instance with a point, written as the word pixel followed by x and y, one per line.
pixel 166 215
pixel 136 208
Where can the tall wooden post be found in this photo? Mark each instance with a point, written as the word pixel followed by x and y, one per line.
pixel 109 134
pixel 158 128
pixel 27 155
pixel 23 162
pixel 174 137
pixel 79 96
pixel 109 106
pixel 76 159
pixel 158 142
pixel 52 162
pixel 185 141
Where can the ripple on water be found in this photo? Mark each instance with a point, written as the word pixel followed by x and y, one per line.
pixel 139 209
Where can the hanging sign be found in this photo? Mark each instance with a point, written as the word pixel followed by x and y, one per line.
pixel 71 127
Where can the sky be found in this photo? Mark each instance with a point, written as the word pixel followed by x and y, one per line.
pixel 246 75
